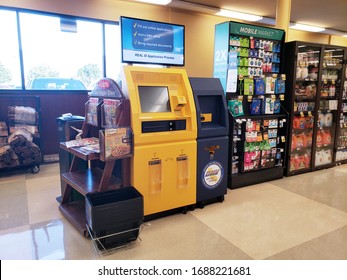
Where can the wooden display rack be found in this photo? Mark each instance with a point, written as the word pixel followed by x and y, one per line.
pixel 99 176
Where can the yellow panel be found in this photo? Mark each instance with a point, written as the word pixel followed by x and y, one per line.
pixel 164 163
pixel 165 174
pixel 206 117
pixel 180 95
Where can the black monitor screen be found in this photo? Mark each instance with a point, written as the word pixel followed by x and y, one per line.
pixel 145 41
pixel 154 99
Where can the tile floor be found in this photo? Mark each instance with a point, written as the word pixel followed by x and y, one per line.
pixel 297 218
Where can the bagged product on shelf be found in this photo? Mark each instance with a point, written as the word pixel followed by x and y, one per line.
pixel 277 106
pixel 27 151
pixel 259 86
pixel 270 85
pixel 248 86
pixel 280 85
pixel 268 105
pixel 8 158
pixel 328 119
pixel 235 107
pixel 21 117
pixel 21 114
pixel 326 137
pixel 319 139
pixel 3 129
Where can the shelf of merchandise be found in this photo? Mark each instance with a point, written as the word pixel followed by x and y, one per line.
pixel 314 78
pixel 100 174
pixel 269 166
pixel 248 61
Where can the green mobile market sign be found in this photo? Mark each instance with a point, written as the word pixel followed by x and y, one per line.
pixel 256 31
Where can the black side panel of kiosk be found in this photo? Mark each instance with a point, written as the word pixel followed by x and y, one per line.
pixel 210 99
pixel 212 140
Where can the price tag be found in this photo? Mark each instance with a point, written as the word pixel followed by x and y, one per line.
pixel 333 82
pixel 302 114
pixel 310 113
pixel 281 97
pixel 283 76
pixel 273 97
pixel 240 98
pixel 249 98
pixel 325 81
pixel 283 138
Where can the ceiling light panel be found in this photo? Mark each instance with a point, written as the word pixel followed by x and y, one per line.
pixel 305 27
pixel 238 15
pixel 157 2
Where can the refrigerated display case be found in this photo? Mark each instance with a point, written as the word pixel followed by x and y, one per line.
pixel 314 86
pixel 341 133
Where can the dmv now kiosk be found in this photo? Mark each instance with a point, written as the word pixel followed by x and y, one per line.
pixel 163 119
pixel 212 140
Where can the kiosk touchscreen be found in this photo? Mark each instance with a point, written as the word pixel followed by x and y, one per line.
pixel 163 120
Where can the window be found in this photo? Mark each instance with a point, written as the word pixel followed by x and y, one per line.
pixel 58 52
pixel 10 77
pixel 112 51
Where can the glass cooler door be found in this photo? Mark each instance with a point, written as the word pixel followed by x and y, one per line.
pixel 329 95
pixel 306 85
pixel 341 138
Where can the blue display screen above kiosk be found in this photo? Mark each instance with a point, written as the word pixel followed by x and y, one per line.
pixel 154 99
pixel 152 42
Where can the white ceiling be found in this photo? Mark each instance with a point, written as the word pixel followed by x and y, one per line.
pixel 330 14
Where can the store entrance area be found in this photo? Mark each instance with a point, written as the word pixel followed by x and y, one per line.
pixel 297 218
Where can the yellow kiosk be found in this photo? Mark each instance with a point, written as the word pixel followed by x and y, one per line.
pixel 163 120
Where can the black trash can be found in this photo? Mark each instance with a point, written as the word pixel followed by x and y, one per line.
pixel 66 133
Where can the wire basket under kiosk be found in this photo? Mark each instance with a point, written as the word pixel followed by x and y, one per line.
pixel 114 217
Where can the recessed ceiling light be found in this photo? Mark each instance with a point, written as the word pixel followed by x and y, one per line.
pixel 158 2
pixel 305 27
pixel 238 15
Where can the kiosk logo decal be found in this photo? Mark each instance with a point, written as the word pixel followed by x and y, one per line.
pixel 212 175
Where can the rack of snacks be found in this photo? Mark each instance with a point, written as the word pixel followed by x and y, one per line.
pixel 248 61
pixel 105 141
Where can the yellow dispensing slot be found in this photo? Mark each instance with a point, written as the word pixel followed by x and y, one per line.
pixel 163 119
pixel 206 117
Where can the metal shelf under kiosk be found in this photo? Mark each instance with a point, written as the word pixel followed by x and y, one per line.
pixel 103 250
